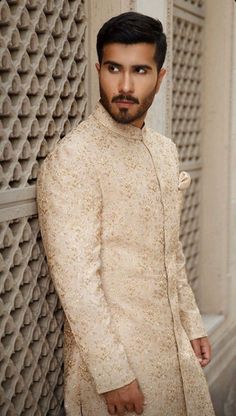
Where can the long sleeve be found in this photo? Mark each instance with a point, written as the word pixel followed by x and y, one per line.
pixel 189 313
pixel 69 207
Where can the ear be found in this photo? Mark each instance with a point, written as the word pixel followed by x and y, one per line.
pixel 98 67
pixel 161 75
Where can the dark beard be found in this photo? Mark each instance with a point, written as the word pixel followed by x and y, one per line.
pixel 123 116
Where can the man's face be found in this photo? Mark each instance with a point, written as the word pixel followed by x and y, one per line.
pixel 128 81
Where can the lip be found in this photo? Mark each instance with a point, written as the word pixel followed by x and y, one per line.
pixel 124 103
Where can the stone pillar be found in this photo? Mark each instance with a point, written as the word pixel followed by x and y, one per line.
pixel 159 115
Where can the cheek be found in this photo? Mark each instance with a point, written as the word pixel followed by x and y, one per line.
pixel 145 86
pixel 108 84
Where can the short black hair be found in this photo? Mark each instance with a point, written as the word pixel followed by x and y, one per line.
pixel 130 28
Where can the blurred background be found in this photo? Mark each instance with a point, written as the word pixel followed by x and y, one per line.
pixel 48 85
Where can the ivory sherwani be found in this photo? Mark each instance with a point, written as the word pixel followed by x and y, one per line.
pixel 109 198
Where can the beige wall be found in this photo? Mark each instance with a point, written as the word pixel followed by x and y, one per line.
pixel 232 227
pixel 218 225
pixel 215 150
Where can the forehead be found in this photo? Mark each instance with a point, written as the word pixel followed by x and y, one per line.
pixel 132 54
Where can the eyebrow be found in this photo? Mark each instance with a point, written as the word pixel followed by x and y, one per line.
pixel 133 66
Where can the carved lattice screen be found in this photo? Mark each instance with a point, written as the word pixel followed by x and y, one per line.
pixel 188 21
pixel 42 70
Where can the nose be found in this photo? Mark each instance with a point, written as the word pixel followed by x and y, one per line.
pixel 126 83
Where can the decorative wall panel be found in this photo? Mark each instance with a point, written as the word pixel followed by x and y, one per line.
pixel 186 123
pixel 42 70
pixel 31 325
pixel 188 25
pixel 42 96
pixel 191 3
pixel 195 7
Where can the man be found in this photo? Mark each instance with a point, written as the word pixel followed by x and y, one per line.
pixel 109 199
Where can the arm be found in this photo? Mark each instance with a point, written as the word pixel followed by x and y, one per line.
pixel 69 207
pixel 189 312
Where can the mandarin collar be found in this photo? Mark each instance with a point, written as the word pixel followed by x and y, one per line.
pixel 126 130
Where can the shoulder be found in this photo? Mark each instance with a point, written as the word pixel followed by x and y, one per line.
pixel 78 146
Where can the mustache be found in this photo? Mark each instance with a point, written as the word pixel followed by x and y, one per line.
pixel 126 98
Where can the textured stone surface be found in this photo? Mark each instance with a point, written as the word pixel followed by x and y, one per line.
pixel 42 70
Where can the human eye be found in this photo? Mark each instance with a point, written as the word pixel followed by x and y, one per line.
pixel 140 70
pixel 113 68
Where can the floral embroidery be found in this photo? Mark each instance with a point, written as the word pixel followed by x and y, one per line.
pixel 108 204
